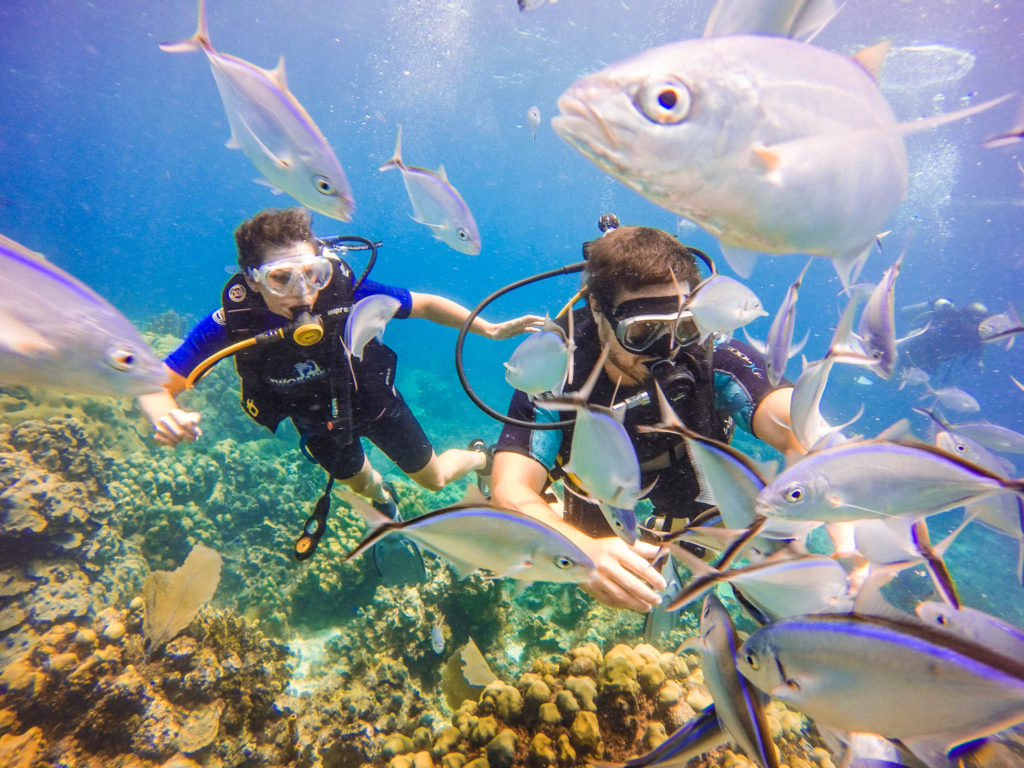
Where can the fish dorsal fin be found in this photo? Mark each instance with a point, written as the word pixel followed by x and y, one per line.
pixel 897 432
pixel 872 57
pixel 278 74
pixel 441 173
pixel 768 159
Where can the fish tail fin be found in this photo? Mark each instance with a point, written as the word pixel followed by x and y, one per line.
pixel 198 42
pixel 378 524
pixel 396 157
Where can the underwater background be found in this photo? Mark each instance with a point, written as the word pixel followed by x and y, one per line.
pixel 114 167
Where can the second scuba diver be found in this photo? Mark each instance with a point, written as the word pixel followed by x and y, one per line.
pixel 633 311
pixel 288 281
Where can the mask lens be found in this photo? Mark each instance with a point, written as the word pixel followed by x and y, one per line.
pixel 640 334
pixel 686 329
pixel 283 277
pixel 279 280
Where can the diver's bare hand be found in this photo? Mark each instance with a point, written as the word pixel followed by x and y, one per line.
pixel 623 576
pixel 511 328
pixel 178 426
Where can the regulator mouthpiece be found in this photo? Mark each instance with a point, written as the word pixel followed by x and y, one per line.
pixel 306 328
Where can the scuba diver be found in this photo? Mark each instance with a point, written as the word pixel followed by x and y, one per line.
pixel 632 310
pixel 283 318
pixel 942 338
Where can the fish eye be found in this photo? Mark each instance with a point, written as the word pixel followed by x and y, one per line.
pixel 751 658
pixel 563 562
pixel 323 185
pixel 665 100
pixel 122 359
pixel 462 234
pixel 795 494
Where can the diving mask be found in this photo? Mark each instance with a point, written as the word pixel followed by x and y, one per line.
pixel 639 323
pixel 282 277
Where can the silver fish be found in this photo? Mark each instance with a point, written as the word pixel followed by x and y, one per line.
pixel 953 398
pixel 57 333
pixel 1003 512
pixel 367 320
pixel 779 342
pixel 977 626
pixel 797 19
pixel 779 585
pixel 541 363
pixel 437 637
pixel 878 478
pixel 273 130
pixel 1005 326
pixel 902 680
pixel 877 327
pixel 602 457
pixel 768 144
pixel 437 204
pixel 721 305
pixel 509 544
pixel 533 118
pixel 739 705
pixel 993 436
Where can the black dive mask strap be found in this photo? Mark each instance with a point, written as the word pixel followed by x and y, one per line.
pixel 315 526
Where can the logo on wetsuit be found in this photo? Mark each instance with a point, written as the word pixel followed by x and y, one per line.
pixel 305 371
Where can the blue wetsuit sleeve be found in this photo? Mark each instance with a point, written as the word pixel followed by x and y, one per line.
pixel 371 287
pixel 210 335
pixel 541 445
pixel 741 381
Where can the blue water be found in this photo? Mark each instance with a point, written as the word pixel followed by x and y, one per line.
pixel 114 162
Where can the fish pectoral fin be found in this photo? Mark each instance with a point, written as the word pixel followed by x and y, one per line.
pixel 514 570
pixel 765 158
pixel 849 264
pixel 21 339
pixel 269 185
pixel 281 162
pixel 742 260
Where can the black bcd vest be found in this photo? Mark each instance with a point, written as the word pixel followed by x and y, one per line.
pixel 312 384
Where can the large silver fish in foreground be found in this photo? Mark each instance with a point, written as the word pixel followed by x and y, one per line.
pixel 273 129
pixel 771 145
pixel 57 333
pixel 930 689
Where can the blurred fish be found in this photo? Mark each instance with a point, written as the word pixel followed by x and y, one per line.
pixel 915 377
pixel 533 5
pixel 977 626
pixel 779 343
pixel 57 333
pixel 273 129
pixel 437 637
pixel 437 204
pixel 740 706
pixel 903 680
pixel 509 544
pixel 1012 136
pixel 953 398
pixel 367 320
pixel 542 362
pixel 877 327
pixel 993 436
pixel 721 305
pixel 797 19
pixel 770 145
pixel 1006 325
pixel 701 734
pixel 660 621
pixel 533 118
pixel 878 478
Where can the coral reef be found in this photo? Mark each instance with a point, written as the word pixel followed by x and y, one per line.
pixel 581 706
pixel 88 694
